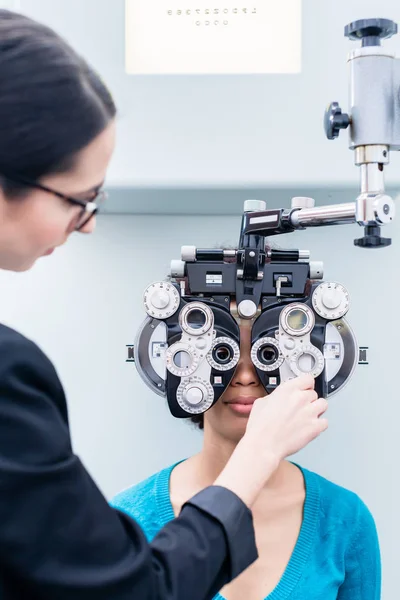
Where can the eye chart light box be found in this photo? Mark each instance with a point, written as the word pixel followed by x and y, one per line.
pixel 217 37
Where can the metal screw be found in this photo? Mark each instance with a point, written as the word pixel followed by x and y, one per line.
pixel 339 327
pixel 252 254
pixel 211 299
pixel 332 387
pixel 226 299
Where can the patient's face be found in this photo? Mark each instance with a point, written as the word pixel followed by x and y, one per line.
pixel 228 417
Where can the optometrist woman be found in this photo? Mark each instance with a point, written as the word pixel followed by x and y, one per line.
pixel 59 538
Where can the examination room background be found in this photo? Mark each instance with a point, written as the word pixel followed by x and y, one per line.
pixel 190 150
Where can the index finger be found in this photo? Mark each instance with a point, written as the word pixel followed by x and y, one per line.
pixel 303 382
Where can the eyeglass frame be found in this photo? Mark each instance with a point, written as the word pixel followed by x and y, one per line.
pixel 91 206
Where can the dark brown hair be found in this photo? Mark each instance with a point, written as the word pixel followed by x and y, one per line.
pixel 52 103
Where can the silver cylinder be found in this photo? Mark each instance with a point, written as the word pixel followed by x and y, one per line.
pixel 304 255
pixel 371 178
pixel 254 206
pixel 371 154
pixel 247 309
pixel 316 269
pixel 303 202
pixel 324 215
pixel 230 253
pixel 372 97
pixel 177 268
pixel 188 253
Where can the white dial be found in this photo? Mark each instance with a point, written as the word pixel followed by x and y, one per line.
pixel 331 300
pixel 195 395
pixel 161 300
pixel 307 359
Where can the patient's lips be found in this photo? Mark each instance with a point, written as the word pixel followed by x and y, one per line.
pixel 241 405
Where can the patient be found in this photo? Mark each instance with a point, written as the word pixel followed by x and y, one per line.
pixel 316 540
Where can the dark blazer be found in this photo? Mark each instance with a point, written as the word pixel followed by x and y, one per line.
pixel 59 538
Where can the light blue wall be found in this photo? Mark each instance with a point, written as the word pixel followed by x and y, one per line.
pixel 224 130
pixel 83 305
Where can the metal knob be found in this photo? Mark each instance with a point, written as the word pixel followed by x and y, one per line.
pixel 254 206
pixel 372 238
pixel 335 120
pixel 247 309
pixel 177 268
pixel 331 298
pixel 193 395
pixel 370 31
pixel 188 253
pixel 160 299
pixel 303 202
pixel 316 269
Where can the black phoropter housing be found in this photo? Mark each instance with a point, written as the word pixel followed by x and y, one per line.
pixel 261 280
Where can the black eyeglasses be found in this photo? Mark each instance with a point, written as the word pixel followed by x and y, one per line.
pixel 89 208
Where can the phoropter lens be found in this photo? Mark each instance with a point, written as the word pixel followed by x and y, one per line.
pixel 267 355
pixel 297 319
pixel 222 354
pixel 182 360
pixel 196 319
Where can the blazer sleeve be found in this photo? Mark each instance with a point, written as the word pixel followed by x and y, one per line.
pixel 59 538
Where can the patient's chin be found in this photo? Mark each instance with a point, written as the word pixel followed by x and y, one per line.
pixel 225 422
pixel 236 430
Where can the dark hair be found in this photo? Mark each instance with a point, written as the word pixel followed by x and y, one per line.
pixel 198 420
pixel 52 103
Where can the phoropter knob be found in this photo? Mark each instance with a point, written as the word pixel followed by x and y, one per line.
pixel 370 31
pixel 335 120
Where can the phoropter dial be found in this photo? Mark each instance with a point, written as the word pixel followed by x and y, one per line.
pixel 307 359
pixel 195 395
pixel 331 300
pixel 161 300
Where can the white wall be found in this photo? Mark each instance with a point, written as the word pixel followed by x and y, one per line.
pixel 224 130
pixel 83 305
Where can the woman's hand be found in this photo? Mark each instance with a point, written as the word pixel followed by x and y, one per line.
pixel 288 419
pixel 279 425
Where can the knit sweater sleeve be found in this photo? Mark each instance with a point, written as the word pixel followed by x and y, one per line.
pixel 362 560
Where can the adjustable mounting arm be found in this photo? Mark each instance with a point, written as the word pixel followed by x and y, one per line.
pixel 373 122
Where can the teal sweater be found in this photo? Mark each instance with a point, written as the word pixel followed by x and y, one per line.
pixel 337 553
